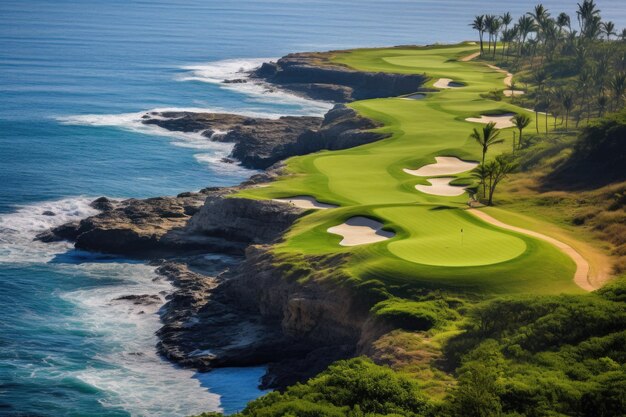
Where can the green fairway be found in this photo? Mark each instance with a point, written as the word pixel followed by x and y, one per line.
pixel 429 249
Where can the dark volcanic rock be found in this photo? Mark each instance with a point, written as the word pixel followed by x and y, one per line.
pixel 167 226
pixel 140 299
pixel 253 315
pixel 103 204
pixel 260 143
pixel 313 74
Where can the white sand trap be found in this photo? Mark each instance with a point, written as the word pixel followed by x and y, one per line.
pixel 502 121
pixel 470 57
pixel 442 187
pixel 445 165
pixel 511 93
pixel 305 202
pixel 360 230
pixel 446 83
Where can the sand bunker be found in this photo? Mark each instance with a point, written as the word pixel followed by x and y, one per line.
pixel 360 230
pixel 305 202
pixel 442 187
pixel 502 121
pixel 446 83
pixel 511 93
pixel 445 165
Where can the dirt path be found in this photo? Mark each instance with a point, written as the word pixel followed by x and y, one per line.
pixel 581 277
pixel 470 57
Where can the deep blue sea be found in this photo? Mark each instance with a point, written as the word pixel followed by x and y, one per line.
pixel 75 76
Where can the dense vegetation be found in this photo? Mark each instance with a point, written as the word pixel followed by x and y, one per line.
pixel 599 155
pixel 524 356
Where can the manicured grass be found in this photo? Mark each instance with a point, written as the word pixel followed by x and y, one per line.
pixel 368 181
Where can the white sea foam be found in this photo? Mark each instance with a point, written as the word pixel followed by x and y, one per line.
pixel 18 229
pixel 135 378
pixel 129 372
pixel 214 152
pixel 238 69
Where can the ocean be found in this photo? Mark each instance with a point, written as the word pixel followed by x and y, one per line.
pixel 75 77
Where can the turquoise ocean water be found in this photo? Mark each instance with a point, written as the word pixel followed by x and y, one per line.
pixel 74 78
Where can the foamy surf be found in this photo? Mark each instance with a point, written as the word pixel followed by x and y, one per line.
pixel 214 152
pixel 19 229
pixel 127 370
pixel 233 74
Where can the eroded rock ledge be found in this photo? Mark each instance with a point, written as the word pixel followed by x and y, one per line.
pixel 260 143
pixel 313 74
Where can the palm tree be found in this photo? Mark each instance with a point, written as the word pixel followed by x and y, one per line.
pixel 525 26
pixel 562 21
pixel 489 25
pixel 494 28
pixel 602 102
pixel 618 86
pixel 506 20
pixel 521 121
pixel 481 173
pixel 540 14
pixel 479 25
pixel 609 29
pixel 486 138
pixel 507 37
pixel 588 19
pixel 498 170
pixel 567 101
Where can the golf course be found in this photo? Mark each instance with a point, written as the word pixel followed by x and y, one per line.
pixel 412 183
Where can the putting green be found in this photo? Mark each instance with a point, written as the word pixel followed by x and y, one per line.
pixel 369 181
pixel 450 237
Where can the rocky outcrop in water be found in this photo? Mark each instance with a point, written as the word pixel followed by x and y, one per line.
pixel 207 221
pixel 260 143
pixel 315 76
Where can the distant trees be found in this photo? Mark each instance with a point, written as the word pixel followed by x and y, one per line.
pixel 577 71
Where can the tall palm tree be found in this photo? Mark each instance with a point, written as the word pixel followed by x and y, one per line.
pixel 609 29
pixel 506 20
pixel 562 21
pixel 540 77
pixel 567 101
pixel 498 170
pixel 489 25
pixel 481 173
pixel 479 25
pixel 494 29
pixel 521 121
pixel 486 138
pixel 618 86
pixel 525 26
pixel 602 103
pixel 588 18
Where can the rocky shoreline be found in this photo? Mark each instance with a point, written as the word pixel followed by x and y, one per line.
pixel 233 305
